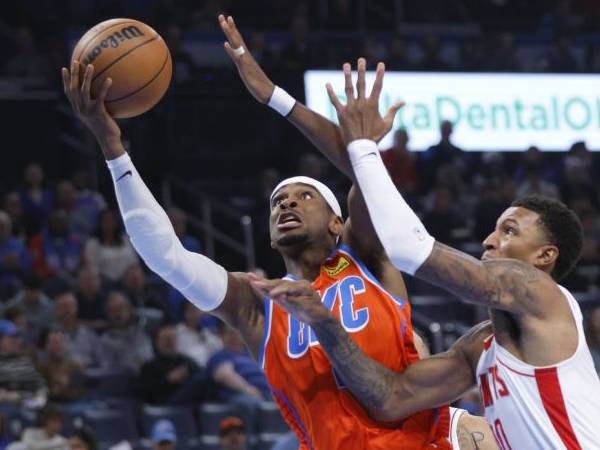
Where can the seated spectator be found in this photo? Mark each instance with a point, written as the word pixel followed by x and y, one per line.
pixel 397 55
pixel 39 310
pixel 46 436
pixel 444 220
pixel 124 346
pixel 163 435
pixel 232 434
pixel 400 164
pixel 62 374
pixel 14 208
pixel 194 340
pixel 179 221
pixel 139 293
pixel 89 201
pixel 28 62
pixel 90 300
pixel 56 252
pixel 431 55
pixel 170 377
pixel 109 250
pixel 83 439
pixel 560 58
pixel 20 383
pixel 79 223
pixel 14 258
pixel 535 184
pixel 35 198
pixel 444 153
pixel 592 334
pixel 81 343
pixel 505 57
pixel 235 371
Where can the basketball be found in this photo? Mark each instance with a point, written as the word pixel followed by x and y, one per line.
pixel 134 56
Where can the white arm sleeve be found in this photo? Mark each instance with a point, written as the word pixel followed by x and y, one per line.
pixel 403 236
pixel 199 279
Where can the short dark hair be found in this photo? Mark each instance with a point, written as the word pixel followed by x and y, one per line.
pixel 49 412
pixel 562 227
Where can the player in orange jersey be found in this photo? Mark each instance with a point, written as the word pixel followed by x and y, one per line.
pixel 343 258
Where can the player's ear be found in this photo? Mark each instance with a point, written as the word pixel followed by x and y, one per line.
pixel 273 245
pixel 546 256
pixel 336 225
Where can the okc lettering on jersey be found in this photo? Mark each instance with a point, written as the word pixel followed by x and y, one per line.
pixel 301 336
pixel 500 389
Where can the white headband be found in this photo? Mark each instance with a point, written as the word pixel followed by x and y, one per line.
pixel 323 190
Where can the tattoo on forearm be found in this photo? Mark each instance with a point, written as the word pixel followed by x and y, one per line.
pixel 491 282
pixel 471 440
pixel 370 382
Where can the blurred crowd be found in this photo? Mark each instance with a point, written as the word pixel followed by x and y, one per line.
pixel 83 322
pixel 293 36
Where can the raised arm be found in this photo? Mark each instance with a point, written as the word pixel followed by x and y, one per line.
pixel 324 134
pixel 505 284
pixel 206 284
pixel 386 395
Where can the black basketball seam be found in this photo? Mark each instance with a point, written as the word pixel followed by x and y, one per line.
pixel 141 44
pixel 145 85
pixel 98 34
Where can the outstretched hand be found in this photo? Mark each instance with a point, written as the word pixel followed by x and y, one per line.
pixel 91 111
pixel 256 81
pixel 297 297
pixel 360 118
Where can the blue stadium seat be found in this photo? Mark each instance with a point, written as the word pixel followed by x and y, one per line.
pixel 181 416
pixel 109 384
pixel 266 440
pixel 211 414
pixel 270 420
pixel 111 426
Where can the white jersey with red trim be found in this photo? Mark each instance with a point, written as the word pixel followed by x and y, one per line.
pixel 555 407
pixel 455 415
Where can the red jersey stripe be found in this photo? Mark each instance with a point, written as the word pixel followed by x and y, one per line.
pixel 554 404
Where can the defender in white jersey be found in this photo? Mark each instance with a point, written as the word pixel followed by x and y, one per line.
pixel 531 360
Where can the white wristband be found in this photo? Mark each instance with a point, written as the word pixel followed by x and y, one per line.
pixel 360 148
pixel 281 101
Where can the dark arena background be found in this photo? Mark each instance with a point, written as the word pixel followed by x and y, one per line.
pixel 503 99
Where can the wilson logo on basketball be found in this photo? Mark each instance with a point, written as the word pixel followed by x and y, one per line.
pixel 113 41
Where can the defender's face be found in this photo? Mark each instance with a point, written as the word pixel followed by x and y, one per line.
pixel 517 235
pixel 298 214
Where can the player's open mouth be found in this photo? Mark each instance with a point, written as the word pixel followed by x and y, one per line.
pixel 288 220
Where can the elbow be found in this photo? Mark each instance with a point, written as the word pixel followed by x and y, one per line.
pixel 393 407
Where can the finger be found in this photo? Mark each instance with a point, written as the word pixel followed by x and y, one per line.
pixel 231 52
pixel 106 84
pixel 66 78
pixel 378 84
pixel 335 101
pixel 391 114
pixel 259 288
pixel 74 76
pixel 348 88
pixel 87 83
pixel 360 81
pixel 232 33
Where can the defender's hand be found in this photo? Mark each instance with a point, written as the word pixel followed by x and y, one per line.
pixel 91 112
pixel 360 117
pixel 297 297
pixel 256 81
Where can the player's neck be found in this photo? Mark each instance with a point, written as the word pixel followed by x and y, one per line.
pixel 306 263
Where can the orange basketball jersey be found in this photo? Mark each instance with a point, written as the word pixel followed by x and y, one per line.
pixel 313 399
